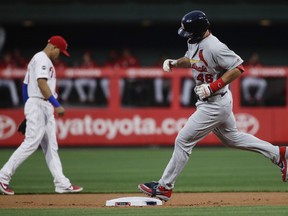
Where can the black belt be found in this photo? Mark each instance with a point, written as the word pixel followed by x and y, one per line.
pixel 207 99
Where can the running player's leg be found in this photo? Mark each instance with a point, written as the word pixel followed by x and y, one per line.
pixel 229 135
pixel 196 128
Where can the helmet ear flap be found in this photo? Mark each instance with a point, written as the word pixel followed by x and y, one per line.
pixel 183 33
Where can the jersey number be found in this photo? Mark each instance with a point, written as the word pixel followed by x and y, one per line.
pixel 205 78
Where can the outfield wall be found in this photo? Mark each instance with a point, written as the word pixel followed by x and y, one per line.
pixel 116 125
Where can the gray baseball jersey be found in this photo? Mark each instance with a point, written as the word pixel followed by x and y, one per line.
pixel 218 59
pixel 209 60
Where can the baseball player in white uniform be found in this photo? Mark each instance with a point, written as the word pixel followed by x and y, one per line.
pixel 214 66
pixel 40 99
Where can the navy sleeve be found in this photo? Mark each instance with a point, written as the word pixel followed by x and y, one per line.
pixel 25 92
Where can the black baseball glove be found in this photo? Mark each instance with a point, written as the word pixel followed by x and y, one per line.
pixel 22 127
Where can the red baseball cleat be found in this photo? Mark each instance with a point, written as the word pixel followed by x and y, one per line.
pixel 71 189
pixel 4 188
pixel 154 189
pixel 283 163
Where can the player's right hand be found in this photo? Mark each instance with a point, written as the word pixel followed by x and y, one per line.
pixel 203 91
pixel 168 64
pixel 60 111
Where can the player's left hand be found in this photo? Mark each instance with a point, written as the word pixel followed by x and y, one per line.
pixel 203 91
pixel 60 111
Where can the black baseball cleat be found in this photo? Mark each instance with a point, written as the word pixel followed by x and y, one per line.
pixel 154 189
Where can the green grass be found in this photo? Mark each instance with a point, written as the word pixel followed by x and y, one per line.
pixel 144 211
pixel 101 170
pixel 120 170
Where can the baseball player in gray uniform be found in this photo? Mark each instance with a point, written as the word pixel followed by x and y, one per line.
pixel 40 97
pixel 214 66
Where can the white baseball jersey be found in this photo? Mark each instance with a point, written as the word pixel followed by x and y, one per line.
pixel 40 66
pixel 41 125
pixel 210 59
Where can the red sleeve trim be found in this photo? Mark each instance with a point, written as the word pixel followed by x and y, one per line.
pixel 241 67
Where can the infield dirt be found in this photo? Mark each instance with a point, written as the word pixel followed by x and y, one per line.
pixel 177 200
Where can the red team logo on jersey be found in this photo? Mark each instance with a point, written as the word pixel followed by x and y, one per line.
pixel 199 68
pixel 201 56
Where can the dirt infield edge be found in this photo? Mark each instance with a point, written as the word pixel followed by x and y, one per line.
pixel 177 200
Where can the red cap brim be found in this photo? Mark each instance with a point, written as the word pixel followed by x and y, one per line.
pixel 65 53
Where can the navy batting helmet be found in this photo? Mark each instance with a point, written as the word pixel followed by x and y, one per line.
pixel 194 25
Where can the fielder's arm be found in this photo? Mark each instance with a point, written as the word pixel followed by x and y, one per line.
pixel 46 92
